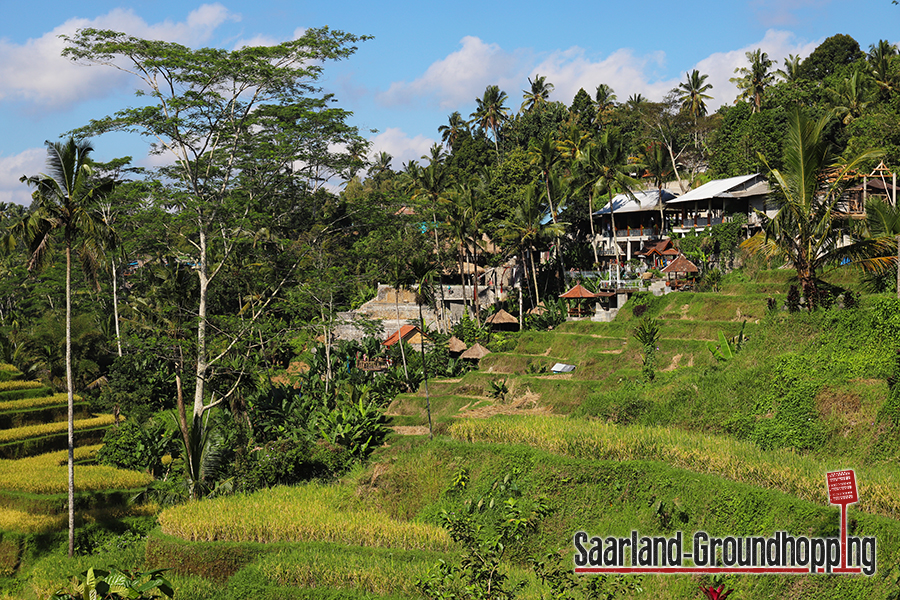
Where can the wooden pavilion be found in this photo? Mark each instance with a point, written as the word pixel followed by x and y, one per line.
pixel 681 266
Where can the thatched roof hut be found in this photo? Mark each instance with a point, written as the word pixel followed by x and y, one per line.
pixel 456 345
pixel 502 319
pixel 579 291
pixel 680 265
pixel 476 352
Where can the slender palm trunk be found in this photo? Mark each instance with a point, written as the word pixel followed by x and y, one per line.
pixel 475 302
pixel 537 296
pixel 399 337
pixel 593 233
pixel 612 218
pixel 116 306
pixel 425 372
pixel 462 280
pixel 70 391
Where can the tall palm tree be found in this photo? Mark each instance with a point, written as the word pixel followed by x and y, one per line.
pixel 883 65
pixel 65 198
pixel 603 167
pixel 850 97
pixel 691 94
pixel 658 167
pixel 791 70
pixel 537 95
pixel 490 113
pixel 805 231
pixel 456 127
pixel 423 271
pixel 604 102
pixel 528 229
pixel 754 79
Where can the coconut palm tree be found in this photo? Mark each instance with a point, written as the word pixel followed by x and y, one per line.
pixel 423 271
pixel 604 102
pixel 537 95
pixel 805 231
pixel 603 167
pixel 754 79
pixel 883 66
pixel 490 113
pixel 692 96
pixel 791 70
pixel 658 167
pixel 64 200
pixel 456 127
pixel 851 96
pixel 528 228
pixel 883 225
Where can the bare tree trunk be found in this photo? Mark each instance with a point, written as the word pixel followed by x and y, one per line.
pixel 70 391
pixel 593 233
pixel 183 425
pixel 202 359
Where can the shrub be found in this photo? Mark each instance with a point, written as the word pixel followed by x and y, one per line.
pixel 136 447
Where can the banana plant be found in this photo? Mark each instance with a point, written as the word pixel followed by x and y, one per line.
pixel 726 349
pixel 95 584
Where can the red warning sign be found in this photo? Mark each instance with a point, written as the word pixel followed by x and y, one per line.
pixel 842 487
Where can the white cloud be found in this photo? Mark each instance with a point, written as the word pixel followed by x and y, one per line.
pixel 570 70
pixel 461 76
pixel 400 146
pixel 721 65
pixel 30 162
pixel 35 71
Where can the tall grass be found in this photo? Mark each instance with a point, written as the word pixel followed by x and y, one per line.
pixel 291 514
pixel 784 470
pixel 46 474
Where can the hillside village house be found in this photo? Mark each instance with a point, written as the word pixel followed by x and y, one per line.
pixel 638 222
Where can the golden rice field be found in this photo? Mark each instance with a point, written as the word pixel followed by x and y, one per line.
pixel 24 522
pixel 33 431
pixel 26 403
pixel 784 470
pixel 47 474
pixel 292 514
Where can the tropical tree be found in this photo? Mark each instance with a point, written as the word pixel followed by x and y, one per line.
pixel 604 102
pixel 423 271
pixel 214 112
pixel 456 127
pixel 883 227
pixel 658 167
pixel 851 96
pixel 691 94
pixel 603 167
pixel 64 203
pixel 491 113
pixel 883 66
pixel 791 70
pixel 754 79
pixel 528 228
pixel 538 94
pixel 805 231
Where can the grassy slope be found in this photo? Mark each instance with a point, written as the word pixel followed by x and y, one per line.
pixel 831 356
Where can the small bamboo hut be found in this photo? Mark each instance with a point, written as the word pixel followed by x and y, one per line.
pixel 537 310
pixel 579 293
pixel 681 266
pixel 503 320
pixel 476 353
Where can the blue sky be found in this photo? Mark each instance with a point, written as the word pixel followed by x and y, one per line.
pixel 426 60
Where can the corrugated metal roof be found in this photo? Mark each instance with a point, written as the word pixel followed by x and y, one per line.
pixel 647 200
pixel 718 188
